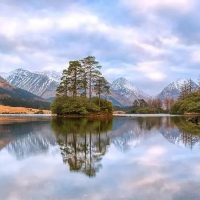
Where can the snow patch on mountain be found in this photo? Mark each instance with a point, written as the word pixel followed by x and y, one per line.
pixel 52 75
pixel 38 84
pixel 128 90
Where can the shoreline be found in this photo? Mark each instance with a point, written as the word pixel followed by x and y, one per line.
pixel 84 116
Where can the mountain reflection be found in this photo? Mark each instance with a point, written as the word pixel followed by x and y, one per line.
pixel 83 142
pixel 130 132
pixel 26 138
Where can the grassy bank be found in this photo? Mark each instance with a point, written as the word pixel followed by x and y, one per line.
pixel 20 110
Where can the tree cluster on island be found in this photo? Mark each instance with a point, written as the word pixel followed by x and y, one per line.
pixel 79 83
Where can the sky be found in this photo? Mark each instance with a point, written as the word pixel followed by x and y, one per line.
pixel 150 43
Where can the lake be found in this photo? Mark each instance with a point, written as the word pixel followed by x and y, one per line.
pixel 137 157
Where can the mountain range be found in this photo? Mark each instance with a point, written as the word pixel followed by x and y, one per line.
pixel 39 83
pixel 122 92
pixel 12 96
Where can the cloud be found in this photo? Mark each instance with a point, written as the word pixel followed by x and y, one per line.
pixel 153 41
pixel 153 5
pixel 152 70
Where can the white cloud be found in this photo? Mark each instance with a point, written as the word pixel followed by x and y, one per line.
pixel 39 24
pixel 195 56
pixel 10 59
pixel 150 5
pixel 153 70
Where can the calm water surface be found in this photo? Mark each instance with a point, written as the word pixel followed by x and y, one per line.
pixel 139 158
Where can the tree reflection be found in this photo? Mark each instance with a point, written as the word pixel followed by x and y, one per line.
pixel 83 142
pixel 189 132
pixel 180 132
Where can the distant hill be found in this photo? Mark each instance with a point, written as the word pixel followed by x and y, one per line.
pixel 16 97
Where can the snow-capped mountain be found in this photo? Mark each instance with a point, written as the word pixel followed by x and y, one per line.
pixel 128 91
pixel 52 75
pixel 11 95
pixel 45 83
pixel 173 89
pixel 41 84
pixel 118 99
pixel 122 92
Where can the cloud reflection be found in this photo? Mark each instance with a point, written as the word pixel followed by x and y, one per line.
pixel 152 167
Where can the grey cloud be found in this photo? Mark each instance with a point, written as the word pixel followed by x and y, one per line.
pixel 60 46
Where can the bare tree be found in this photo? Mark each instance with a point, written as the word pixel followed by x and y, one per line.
pixel 167 103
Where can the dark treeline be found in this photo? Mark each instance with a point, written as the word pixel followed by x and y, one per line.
pixel 21 98
pixel 124 108
pixel 79 84
pixel 17 102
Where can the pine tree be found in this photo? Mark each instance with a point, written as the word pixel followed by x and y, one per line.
pixel 84 83
pixel 101 87
pixel 75 72
pixel 64 87
pixel 84 79
pixel 91 67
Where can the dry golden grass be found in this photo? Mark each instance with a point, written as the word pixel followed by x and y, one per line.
pixel 119 112
pixel 17 110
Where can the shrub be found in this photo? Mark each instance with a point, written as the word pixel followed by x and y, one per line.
pixel 147 110
pixel 39 112
pixel 82 106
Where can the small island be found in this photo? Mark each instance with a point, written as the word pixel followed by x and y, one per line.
pixel 83 91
